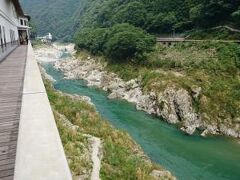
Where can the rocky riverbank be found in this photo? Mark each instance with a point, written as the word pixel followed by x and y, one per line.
pixel 52 53
pixel 173 104
pixel 90 143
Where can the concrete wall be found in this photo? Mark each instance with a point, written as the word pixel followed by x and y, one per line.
pixel 8 18
pixel 40 154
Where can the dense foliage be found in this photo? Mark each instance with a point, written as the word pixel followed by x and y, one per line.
pixel 215 67
pixel 162 16
pixel 63 17
pixel 92 39
pixel 155 17
pixel 121 42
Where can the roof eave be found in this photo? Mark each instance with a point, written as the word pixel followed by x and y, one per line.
pixel 18 7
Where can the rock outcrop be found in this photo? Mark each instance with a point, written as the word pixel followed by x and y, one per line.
pixel 173 104
pixel 93 152
pixel 162 175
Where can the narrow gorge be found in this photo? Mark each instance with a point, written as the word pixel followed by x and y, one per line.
pixel 173 104
pixel 160 141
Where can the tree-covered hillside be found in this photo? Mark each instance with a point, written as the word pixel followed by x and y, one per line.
pixel 64 17
pixel 159 16
pixel 154 17
pixel 119 31
pixel 60 17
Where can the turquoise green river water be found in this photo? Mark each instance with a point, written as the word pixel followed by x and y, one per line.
pixel 187 157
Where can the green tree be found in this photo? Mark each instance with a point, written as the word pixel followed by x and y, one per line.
pixel 91 39
pixel 211 12
pixel 236 16
pixel 33 31
pixel 196 14
pixel 134 13
pixel 127 42
pixel 163 23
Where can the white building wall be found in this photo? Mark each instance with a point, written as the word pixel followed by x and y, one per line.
pixel 8 26
pixel 8 19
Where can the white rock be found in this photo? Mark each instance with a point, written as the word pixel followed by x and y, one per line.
pixel 161 174
pixel 173 104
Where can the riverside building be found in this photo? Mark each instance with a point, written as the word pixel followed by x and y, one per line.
pixel 14 28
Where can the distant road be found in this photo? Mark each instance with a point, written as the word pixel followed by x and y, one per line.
pixel 182 39
pixel 227 27
pixel 177 39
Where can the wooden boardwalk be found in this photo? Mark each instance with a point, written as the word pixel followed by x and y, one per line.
pixel 11 86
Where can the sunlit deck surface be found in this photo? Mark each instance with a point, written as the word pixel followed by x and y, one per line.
pixel 11 86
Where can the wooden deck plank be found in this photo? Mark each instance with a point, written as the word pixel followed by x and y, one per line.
pixel 9 111
pixel 12 124
pixel 11 85
pixel 6 113
pixel 6 106
pixel 9 150
pixel 10 99
pixel 9 122
pixel 8 145
pixel 9 129
pixel 6 173
pixel 8 116
pixel 7 178
pixel 7 135
pixel 8 126
pixel 7 156
pixel 8 138
pixel 6 162
pixel 15 112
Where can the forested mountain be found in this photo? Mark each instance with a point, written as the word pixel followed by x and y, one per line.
pixel 63 17
pixel 159 16
pixel 60 17
pixel 101 18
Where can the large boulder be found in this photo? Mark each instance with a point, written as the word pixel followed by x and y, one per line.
pixel 176 107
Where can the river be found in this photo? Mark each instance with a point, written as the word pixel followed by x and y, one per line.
pixel 187 157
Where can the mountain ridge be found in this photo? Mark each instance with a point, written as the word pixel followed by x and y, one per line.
pixel 65 17
pixel 61 17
